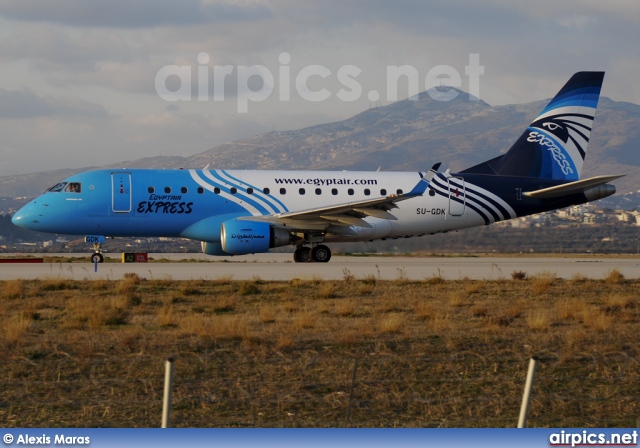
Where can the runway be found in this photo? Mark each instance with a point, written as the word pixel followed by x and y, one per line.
pixel 282 267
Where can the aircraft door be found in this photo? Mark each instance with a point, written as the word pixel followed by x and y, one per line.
pixel 121 192
pixel 456 196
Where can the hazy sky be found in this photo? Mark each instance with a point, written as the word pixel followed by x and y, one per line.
pixel 78 77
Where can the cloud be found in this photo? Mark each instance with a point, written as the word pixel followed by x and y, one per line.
pixel 132 14
pixel 16 104
pixel 78 75
pixel 551 9
pixel 370 34
pixel 134 77
pixel 580 21
pixel 42 134
pixel 43 41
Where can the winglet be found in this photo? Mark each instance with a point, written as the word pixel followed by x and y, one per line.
pixel 432 172
pixel 424 182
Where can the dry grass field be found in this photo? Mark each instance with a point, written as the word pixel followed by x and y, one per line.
pixel 261 354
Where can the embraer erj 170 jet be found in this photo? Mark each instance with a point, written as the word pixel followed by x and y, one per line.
pixel 244 212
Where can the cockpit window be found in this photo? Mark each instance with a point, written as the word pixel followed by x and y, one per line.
pixel 73 187
pixel 57 188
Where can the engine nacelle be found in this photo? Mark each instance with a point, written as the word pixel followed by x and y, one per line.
pixel 213 249
pixel 239 237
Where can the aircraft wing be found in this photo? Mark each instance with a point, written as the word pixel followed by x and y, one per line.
pixel 337 218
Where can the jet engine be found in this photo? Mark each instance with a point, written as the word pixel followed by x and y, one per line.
pixel 238 237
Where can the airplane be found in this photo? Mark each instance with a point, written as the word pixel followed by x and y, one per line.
pixel 238 212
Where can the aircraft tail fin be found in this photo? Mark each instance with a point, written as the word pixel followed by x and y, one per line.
pixel 555 143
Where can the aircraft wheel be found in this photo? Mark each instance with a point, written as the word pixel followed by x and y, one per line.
pixel 321 253
pixel 97 258
pixel 301 255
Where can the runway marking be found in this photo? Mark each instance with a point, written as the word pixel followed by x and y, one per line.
pixel 280 267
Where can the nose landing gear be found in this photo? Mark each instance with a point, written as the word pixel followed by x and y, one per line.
pixel 97 256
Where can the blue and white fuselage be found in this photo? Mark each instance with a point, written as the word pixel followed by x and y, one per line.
pixel 239 212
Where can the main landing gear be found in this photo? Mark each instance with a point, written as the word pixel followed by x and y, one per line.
pixel 97 256
pixel 319 253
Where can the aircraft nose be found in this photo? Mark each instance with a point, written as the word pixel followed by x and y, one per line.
pixel 25 217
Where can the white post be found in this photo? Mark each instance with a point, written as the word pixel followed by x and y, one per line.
pixel 168 385
pixel 353 384
pixel 526 398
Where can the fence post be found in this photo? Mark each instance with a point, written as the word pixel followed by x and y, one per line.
pixel 526 398
pixel 168 385
pixel 353 384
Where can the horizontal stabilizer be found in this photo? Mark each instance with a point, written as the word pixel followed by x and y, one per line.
pixel 579 186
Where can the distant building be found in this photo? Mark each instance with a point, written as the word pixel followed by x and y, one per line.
pixel 623 216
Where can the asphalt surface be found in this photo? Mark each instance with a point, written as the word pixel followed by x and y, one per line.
pixel 282 267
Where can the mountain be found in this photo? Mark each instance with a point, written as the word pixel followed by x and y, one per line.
pixel 406 135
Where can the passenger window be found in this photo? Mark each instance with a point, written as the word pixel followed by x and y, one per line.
pixel 383 192
pixel 334 191
pixel 266 190
pixel 432 192
pixel 350 191
pixel 57 188
pixel 200 190
pixel 249 190
pixel 151 190
pixel 283 191
pixel 301 191
pixel 167 190
pixel 233 190
pixel 399 191
pixel 216 190
pixel 73 187
pixel 318 191
pixel 184 190
pixel 367 192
